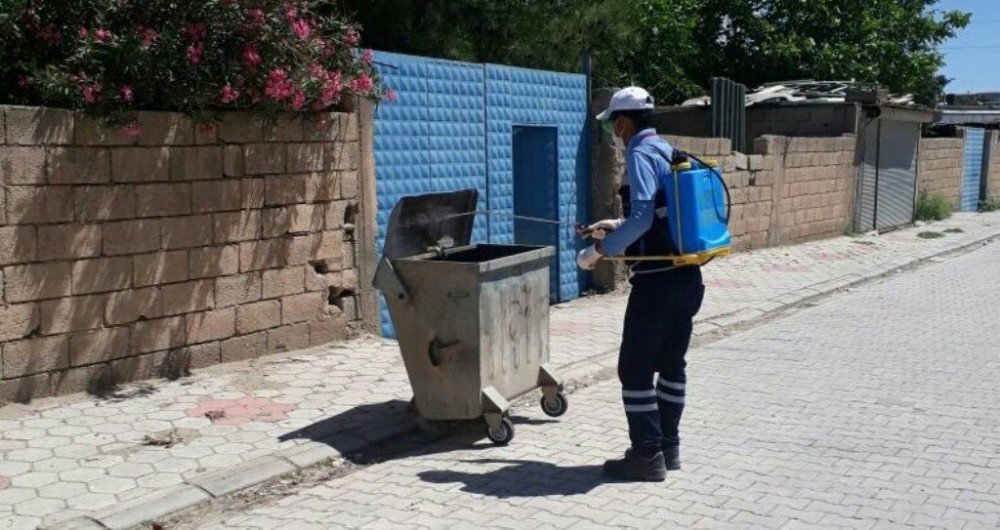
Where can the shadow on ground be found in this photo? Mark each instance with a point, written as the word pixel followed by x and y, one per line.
pixel 522 478
pixel 378 432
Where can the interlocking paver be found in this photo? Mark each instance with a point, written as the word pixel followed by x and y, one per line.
pixel 265 400
pixel 798 423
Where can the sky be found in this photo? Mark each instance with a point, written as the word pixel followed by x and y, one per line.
pixel 972 58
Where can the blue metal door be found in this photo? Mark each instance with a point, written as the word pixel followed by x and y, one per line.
pixel 536 191
pixel 972 169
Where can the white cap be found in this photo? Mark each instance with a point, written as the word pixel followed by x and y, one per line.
pixel 630 98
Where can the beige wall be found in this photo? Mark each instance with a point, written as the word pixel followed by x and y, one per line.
pixel 994 174
pixel 940 169
pixel 793 190
pixel 127 258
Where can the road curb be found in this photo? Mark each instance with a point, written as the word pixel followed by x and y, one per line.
pixel 223 482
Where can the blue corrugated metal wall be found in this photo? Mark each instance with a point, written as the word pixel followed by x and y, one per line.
pixel 451 127
pixel 972 169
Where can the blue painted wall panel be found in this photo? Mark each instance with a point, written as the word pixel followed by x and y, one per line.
pixel 451 128
pixel 972 169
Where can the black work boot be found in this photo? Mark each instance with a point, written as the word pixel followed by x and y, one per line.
pixel 672 457
pixel 635 467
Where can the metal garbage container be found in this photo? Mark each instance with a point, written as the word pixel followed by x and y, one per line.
pixel 472 321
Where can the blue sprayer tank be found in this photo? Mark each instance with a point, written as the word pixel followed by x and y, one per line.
pixel 697 210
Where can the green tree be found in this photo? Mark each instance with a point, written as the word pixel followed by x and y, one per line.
pixel 675 46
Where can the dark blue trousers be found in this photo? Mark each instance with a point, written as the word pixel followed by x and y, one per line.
pixel 658 325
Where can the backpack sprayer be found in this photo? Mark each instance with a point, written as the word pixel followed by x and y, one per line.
pixel 698 208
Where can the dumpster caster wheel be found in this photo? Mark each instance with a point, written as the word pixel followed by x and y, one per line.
pixel 556 409
pixel 504 435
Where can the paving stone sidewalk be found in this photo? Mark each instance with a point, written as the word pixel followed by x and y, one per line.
pixel 64 458
pixel 874 409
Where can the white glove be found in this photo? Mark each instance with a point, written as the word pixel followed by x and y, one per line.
pixel 600 229
pixel 587 258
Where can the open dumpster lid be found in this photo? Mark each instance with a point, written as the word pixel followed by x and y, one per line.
pixel 422 222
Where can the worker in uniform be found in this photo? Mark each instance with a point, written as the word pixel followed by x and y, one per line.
pixel 663 301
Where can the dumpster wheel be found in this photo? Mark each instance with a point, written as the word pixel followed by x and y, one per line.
pixel 554 410
pixel 504 434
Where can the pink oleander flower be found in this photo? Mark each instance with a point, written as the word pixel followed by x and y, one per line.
pixel 351 37
pixel 130 130
pixel 229 94
pixel 331 89
pixel 102 35
pixel 300 28
pixel 251 57
pixel 92 93
pixel 367 58
pixel 362 84
pixel 390 95
pixel 82 32
pixel 298 100
pixel 127 95
pixel 291 12
pixel 278 86
pixel 197 32
pixel 194 53
pixel 317 72
pixel 256 15
pixel 148 37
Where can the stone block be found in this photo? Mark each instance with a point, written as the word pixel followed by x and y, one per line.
pixel 258 316
pixel 303 158
pixel 264 158
pixel 160 268
pixel 217 196
pixel 253 193
pixel 283 130
pixel 140 164
pixel 157 335
pixel 187 232
pixel 288 338
pixel 37 281
pixel 102 275
pixel 244 347
pixel 165 128
pixel 39 125
pixel 187 297
pixel 91 131
pixel 22 165
pixel 39 204
pixel 237 289
pixel 17 320
pixel 196 163
pixel 18 244
pixel 233 227
pixel 232 161
pixel 211 262
pixel 68 241
pixel 103 203
pixel 160 200
pixel 302 307
pixel 35 356
pixel 132 237
pixel 240 128
pixel 211 325
pixel 125 307
pixel 342 156
pixel 66 315
pixel 264 254
pixel 89 347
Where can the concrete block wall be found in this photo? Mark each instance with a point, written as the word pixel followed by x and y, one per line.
pixel 940 168
pixel 791 190
pixel 128 258
pixel 813 120
pixel 815 181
